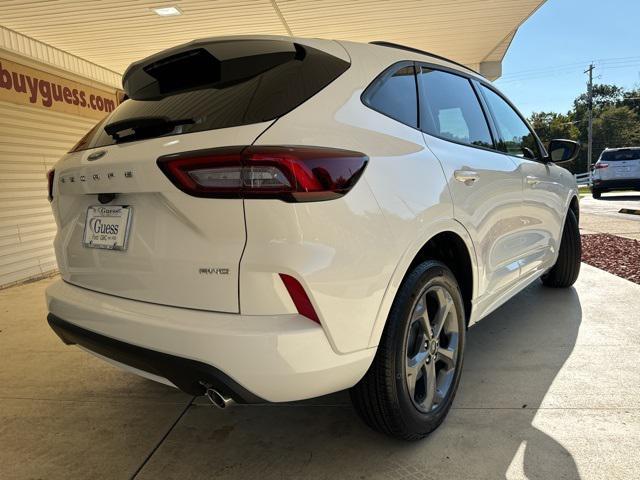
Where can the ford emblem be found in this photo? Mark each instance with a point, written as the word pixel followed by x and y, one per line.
pixel 96 155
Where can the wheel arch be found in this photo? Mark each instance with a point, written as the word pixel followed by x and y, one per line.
pixel 451 244
pixel 571 203
pixel 574 206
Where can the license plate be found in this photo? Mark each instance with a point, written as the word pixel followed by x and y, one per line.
pixel 623 169
pixel 107 226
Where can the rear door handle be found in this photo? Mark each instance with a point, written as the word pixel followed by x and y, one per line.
pixel 468 177
pixel 531 180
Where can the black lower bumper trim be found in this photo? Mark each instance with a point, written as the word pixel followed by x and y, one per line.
pixel 621 184
pixel 184 373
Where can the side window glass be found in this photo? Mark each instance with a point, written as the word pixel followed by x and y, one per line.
pixel 395 96
pixel 450 109
pixel 515 136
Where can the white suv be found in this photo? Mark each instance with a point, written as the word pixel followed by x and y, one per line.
pixel 268 219
pixel 616 169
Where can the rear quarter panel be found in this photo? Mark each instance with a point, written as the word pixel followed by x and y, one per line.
pixel 348 253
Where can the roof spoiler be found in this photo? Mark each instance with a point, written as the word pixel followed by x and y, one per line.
pixel 205 63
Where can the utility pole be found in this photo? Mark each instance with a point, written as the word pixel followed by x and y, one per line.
pixel 590 106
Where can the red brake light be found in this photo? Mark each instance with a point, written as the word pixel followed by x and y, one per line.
pixel 299 297
pixel 601 165
pixel 292 174
pixel 50 176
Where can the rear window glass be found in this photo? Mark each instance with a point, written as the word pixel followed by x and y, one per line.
pixel 619 155
pixel 449 108
pixel 395 96
pixel 231 95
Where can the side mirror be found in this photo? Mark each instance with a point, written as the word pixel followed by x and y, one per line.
pixel 528 153
pixel 563 150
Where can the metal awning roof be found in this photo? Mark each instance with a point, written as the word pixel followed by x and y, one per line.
pixel 114 33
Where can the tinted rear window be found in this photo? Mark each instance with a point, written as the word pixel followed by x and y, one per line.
pixel 232 93
pixel 619 155
pixel 395 95
pixel 449 108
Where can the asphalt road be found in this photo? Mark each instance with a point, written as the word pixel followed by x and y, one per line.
pixel 602 215
pixel 610 202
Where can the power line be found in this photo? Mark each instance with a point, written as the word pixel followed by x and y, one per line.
pixel 568 69
pixel 555 68
pixel 615 67
pixel 561 72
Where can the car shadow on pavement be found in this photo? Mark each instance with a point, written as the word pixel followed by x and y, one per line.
pixel 512 359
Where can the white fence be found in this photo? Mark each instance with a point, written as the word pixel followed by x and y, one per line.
pixel 583 178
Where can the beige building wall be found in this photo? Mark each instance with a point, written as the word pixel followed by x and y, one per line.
pixel 42 115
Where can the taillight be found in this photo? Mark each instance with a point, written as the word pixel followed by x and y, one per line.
pixel 292 174
pixel 299 297
pixel 50 176
pixel 601 165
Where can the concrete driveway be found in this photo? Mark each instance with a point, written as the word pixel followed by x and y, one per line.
pixel 601 216
pixel 550 390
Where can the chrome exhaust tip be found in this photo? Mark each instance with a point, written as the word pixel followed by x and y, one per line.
pixel 218 399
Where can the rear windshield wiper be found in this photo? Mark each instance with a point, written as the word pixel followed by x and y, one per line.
pixel 138 128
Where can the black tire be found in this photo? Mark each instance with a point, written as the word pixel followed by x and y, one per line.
pixel 566 269
pixel 596 194
pixel 382 397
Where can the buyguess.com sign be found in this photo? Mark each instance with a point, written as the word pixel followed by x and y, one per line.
pixel 26 85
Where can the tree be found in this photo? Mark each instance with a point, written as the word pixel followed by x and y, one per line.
pixel 603 96
pixel 631 99
pixel 550 125
pixel 615 127
pixel 616 121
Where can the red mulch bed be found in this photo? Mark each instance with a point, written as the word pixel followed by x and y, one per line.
pixel 617 255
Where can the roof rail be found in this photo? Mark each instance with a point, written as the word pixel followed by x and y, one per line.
pixel 416 50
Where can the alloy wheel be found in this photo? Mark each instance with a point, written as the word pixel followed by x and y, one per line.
pixel 431 348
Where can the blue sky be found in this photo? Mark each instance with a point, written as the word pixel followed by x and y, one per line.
pixel 542 70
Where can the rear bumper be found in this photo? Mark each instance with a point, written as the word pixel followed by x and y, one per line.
pixel 188 375
pixel 621 184
pixel 249 358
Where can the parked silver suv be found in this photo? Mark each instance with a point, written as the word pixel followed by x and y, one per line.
pixel 616 169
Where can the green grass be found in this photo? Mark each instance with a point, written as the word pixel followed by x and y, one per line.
pixel 583 190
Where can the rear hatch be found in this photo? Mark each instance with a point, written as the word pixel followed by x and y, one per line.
pixel 621 164
pixel 124 228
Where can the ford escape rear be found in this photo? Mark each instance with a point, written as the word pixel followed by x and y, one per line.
pixel 269 219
